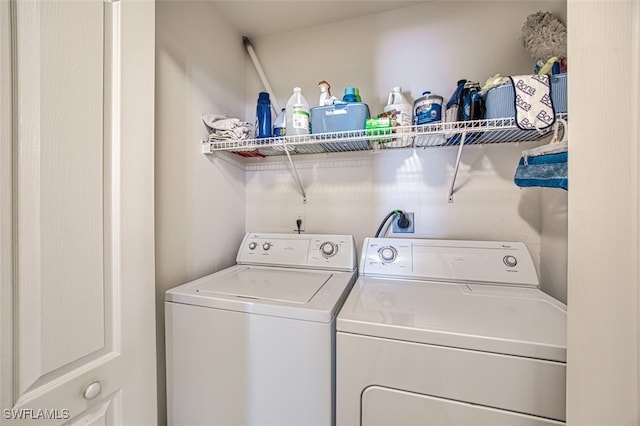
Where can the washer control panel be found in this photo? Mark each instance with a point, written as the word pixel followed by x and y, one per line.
pixel 387 254
pixel 328 249
pixel 507 263
pixel 319 251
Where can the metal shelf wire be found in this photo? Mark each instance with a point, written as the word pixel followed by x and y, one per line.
pixel 459 133
pixel 477 132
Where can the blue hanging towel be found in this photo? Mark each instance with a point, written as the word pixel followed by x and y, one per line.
pixel 549 171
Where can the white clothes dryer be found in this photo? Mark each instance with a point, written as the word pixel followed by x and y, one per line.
pixel 254 344
pixel 441 332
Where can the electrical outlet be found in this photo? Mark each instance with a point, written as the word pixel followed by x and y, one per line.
pixel 398 230
pixel 295 221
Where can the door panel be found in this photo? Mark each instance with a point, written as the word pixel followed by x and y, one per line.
pixel 66 353
pixel 60 193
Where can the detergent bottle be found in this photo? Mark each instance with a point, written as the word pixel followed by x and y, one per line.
pixel 263 116
pixel 280 126
pixel 404 110
pixel 350 94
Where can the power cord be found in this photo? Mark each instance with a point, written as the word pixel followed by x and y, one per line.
pixel 403 220
pixel 299 224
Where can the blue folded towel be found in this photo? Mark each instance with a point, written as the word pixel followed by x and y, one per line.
pixel 549 170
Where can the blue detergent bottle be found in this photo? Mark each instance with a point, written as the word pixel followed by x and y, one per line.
pixel 263 116
pixel 350 94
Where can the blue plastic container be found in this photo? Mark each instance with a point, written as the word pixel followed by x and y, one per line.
pixel 500 101
pixel 263 116
pixel 347 117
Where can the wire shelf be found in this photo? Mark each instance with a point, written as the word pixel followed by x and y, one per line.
pixel 478 132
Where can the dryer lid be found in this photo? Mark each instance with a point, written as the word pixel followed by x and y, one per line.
pixel 516 321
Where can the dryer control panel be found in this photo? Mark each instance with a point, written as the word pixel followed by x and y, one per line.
pixel 494 262
pixel 317 251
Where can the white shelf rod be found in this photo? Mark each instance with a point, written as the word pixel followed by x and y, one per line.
pixel 455 173
pixel 294 171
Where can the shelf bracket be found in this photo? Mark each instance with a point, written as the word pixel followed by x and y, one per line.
pixel 455 173
pixel 296 176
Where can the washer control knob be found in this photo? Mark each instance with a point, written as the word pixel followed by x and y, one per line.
pixel 253 245
pixel 510 261
pixel 387 254
pixel 328 249
pixel 266 246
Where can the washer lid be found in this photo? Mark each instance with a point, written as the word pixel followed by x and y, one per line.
pixel 517 321
pixel 290 286
pixel 313 295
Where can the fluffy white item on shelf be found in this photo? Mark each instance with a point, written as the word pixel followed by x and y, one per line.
pixel 544 36
pixel 223 127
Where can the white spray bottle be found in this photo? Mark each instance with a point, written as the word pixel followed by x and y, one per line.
pixel 325 94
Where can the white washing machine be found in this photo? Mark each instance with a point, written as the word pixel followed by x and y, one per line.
pixel 254 344
pixel 440 332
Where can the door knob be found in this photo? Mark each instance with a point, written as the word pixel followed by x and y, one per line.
pixel 92 390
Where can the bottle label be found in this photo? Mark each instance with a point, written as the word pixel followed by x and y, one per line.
pixel 427 109
pixel 428 113
pixel 300 118
pixel 404 117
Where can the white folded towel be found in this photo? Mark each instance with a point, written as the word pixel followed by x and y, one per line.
pixel 534 107
pixel 222 127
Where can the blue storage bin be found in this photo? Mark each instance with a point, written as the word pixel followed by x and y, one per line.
pixel 347 117
pixel 500 101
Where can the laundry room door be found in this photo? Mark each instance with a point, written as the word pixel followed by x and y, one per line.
pixel 77 334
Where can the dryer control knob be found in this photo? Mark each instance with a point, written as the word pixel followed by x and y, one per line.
pixel 266 246
pixel 253 245
pixel 387 254
pixel 510 261
pixel 328 249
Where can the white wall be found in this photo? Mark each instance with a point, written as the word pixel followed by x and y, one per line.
pixel 200 200
pixel 554 216
pixel 352 194
pixel 420 47
pixel 424 47
pixel 603 360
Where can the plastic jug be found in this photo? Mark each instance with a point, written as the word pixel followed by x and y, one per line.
pixel 404 110
pixel 263 116
pixel 297 114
